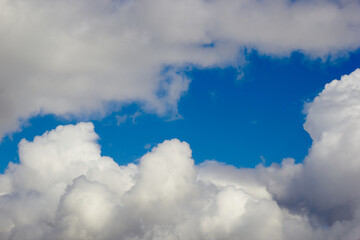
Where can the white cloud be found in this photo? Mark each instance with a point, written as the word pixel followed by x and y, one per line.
pixel 325 186
pixel 64 189
pixel 72 58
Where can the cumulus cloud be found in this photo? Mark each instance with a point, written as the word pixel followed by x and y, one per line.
pixel 325 185
pixel 73 58
pixel 64 189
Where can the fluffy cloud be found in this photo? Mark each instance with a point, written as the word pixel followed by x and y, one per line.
pixel 73 58
pixel 64 189
pixel 325 185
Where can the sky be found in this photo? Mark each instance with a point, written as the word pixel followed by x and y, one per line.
pixel 189 119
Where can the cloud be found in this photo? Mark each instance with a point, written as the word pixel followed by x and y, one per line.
pixel 332 165
pixel 79 58
pixel 324 186
pixel 64 189
pixel 121 119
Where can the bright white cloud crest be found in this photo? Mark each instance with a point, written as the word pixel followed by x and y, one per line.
pixel 64 189
pixel 75 57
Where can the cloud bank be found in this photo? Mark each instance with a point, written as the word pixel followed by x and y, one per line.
pixel 78 58
pixel 64 189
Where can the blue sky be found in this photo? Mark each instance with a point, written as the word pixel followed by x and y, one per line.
pixel 242 122
pixel 179 119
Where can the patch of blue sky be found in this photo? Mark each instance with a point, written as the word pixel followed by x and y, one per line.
pixel 257 119
pixel 208 45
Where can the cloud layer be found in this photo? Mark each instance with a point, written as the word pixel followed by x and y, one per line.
pixel 64 189
pixel 78 58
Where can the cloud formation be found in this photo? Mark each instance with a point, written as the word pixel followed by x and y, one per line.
pixel 64 189
pixel 78 58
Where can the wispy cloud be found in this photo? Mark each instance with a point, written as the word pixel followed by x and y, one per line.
pixel 120 119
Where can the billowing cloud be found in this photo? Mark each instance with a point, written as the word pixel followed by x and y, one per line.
pixel 64 189
pixel 73 58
